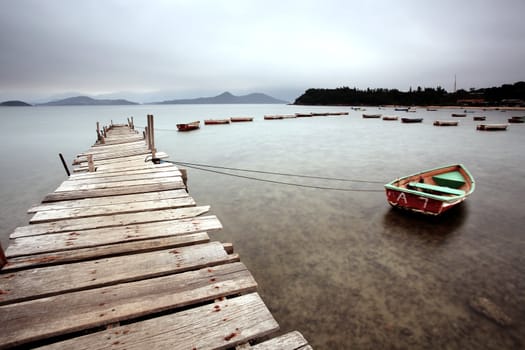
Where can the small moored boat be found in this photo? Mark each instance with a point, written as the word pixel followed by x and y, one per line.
pixel 216 121
pixel 273 117
pixel 390 117
pixel 189 126
pixel 479 118
pixel 459 115
pixel 371 115
pixel 431 191
pixel 446 123
pixel 241 119
pixel 516 119
pixel 492 127
pixel 411 120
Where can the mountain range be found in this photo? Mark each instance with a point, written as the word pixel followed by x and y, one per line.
pixel 86 101
pixel 228 98
pixel 224 98
pixel 14 103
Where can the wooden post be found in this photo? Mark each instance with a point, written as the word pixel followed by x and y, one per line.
pixel 184 174
pixel 151 131
pixel 3 259
pixel 91 165
pixel 146 137
pixel 132 124
pixel 64 164
pixel 153 149
pixel 100 138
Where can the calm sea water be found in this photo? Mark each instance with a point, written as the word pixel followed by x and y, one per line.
pixel 341 267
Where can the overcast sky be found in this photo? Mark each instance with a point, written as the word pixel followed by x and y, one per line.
pixel 151 50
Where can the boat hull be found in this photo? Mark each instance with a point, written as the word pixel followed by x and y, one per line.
pixel 411 120
pixel 431 192
pixel 241 119
pixel 445 123
pixel 419 204
pixel 216 121
pixel 492 127
pixel 188 126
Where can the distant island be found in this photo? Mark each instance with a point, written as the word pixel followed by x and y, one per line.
pixel 87 101
pixel 228 98
pixel 512 95
pixel 15 103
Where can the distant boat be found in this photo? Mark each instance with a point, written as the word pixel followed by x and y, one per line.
pixel 401 109
pixel 273 117
pixel 492 127
pixel 479 118
pixel 390 117
pixel 431 191
pixel 411 120
pixel 459 115
pixel 189 126
pixel 446 123
pixel 516 120
pixel 431 109
pixel 371 115
pixel 216 121
pixel 241 119
pixel 467 111
pixel 411 110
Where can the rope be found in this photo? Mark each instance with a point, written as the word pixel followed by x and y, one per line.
pixel 275 173
pixel 199 167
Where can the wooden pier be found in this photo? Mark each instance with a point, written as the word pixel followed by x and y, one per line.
pixel 119 257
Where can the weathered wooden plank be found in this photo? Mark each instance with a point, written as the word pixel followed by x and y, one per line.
pixel 289 341
pixel 221 325
pixel 31 321
pixel 117 141
pixel 53 280
pixel 74 186
pixel 131 163
pixel 54 215
pixel 97 252
pixel 139 168
pixel 117 153
pixel 124 176
pixel 92 202
pixel 105 148
pixel 104 236
pixel 108 221
pixel 118 160
pixel 97 156
pixel 144 168
pixel 70 195
pixel 118 166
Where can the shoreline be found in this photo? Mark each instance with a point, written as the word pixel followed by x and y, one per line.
pixel 477 108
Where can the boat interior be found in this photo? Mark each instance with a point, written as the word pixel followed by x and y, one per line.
pixel 449 181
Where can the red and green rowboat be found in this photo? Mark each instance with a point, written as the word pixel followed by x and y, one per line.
pixel 432 191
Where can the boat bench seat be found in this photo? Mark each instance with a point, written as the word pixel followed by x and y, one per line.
pixel 441 189
pixel 452 179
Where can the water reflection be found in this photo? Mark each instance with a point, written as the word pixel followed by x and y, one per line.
pixel 435 229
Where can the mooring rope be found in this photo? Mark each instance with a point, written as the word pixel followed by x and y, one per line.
pixel 204 167
pixel 275 173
